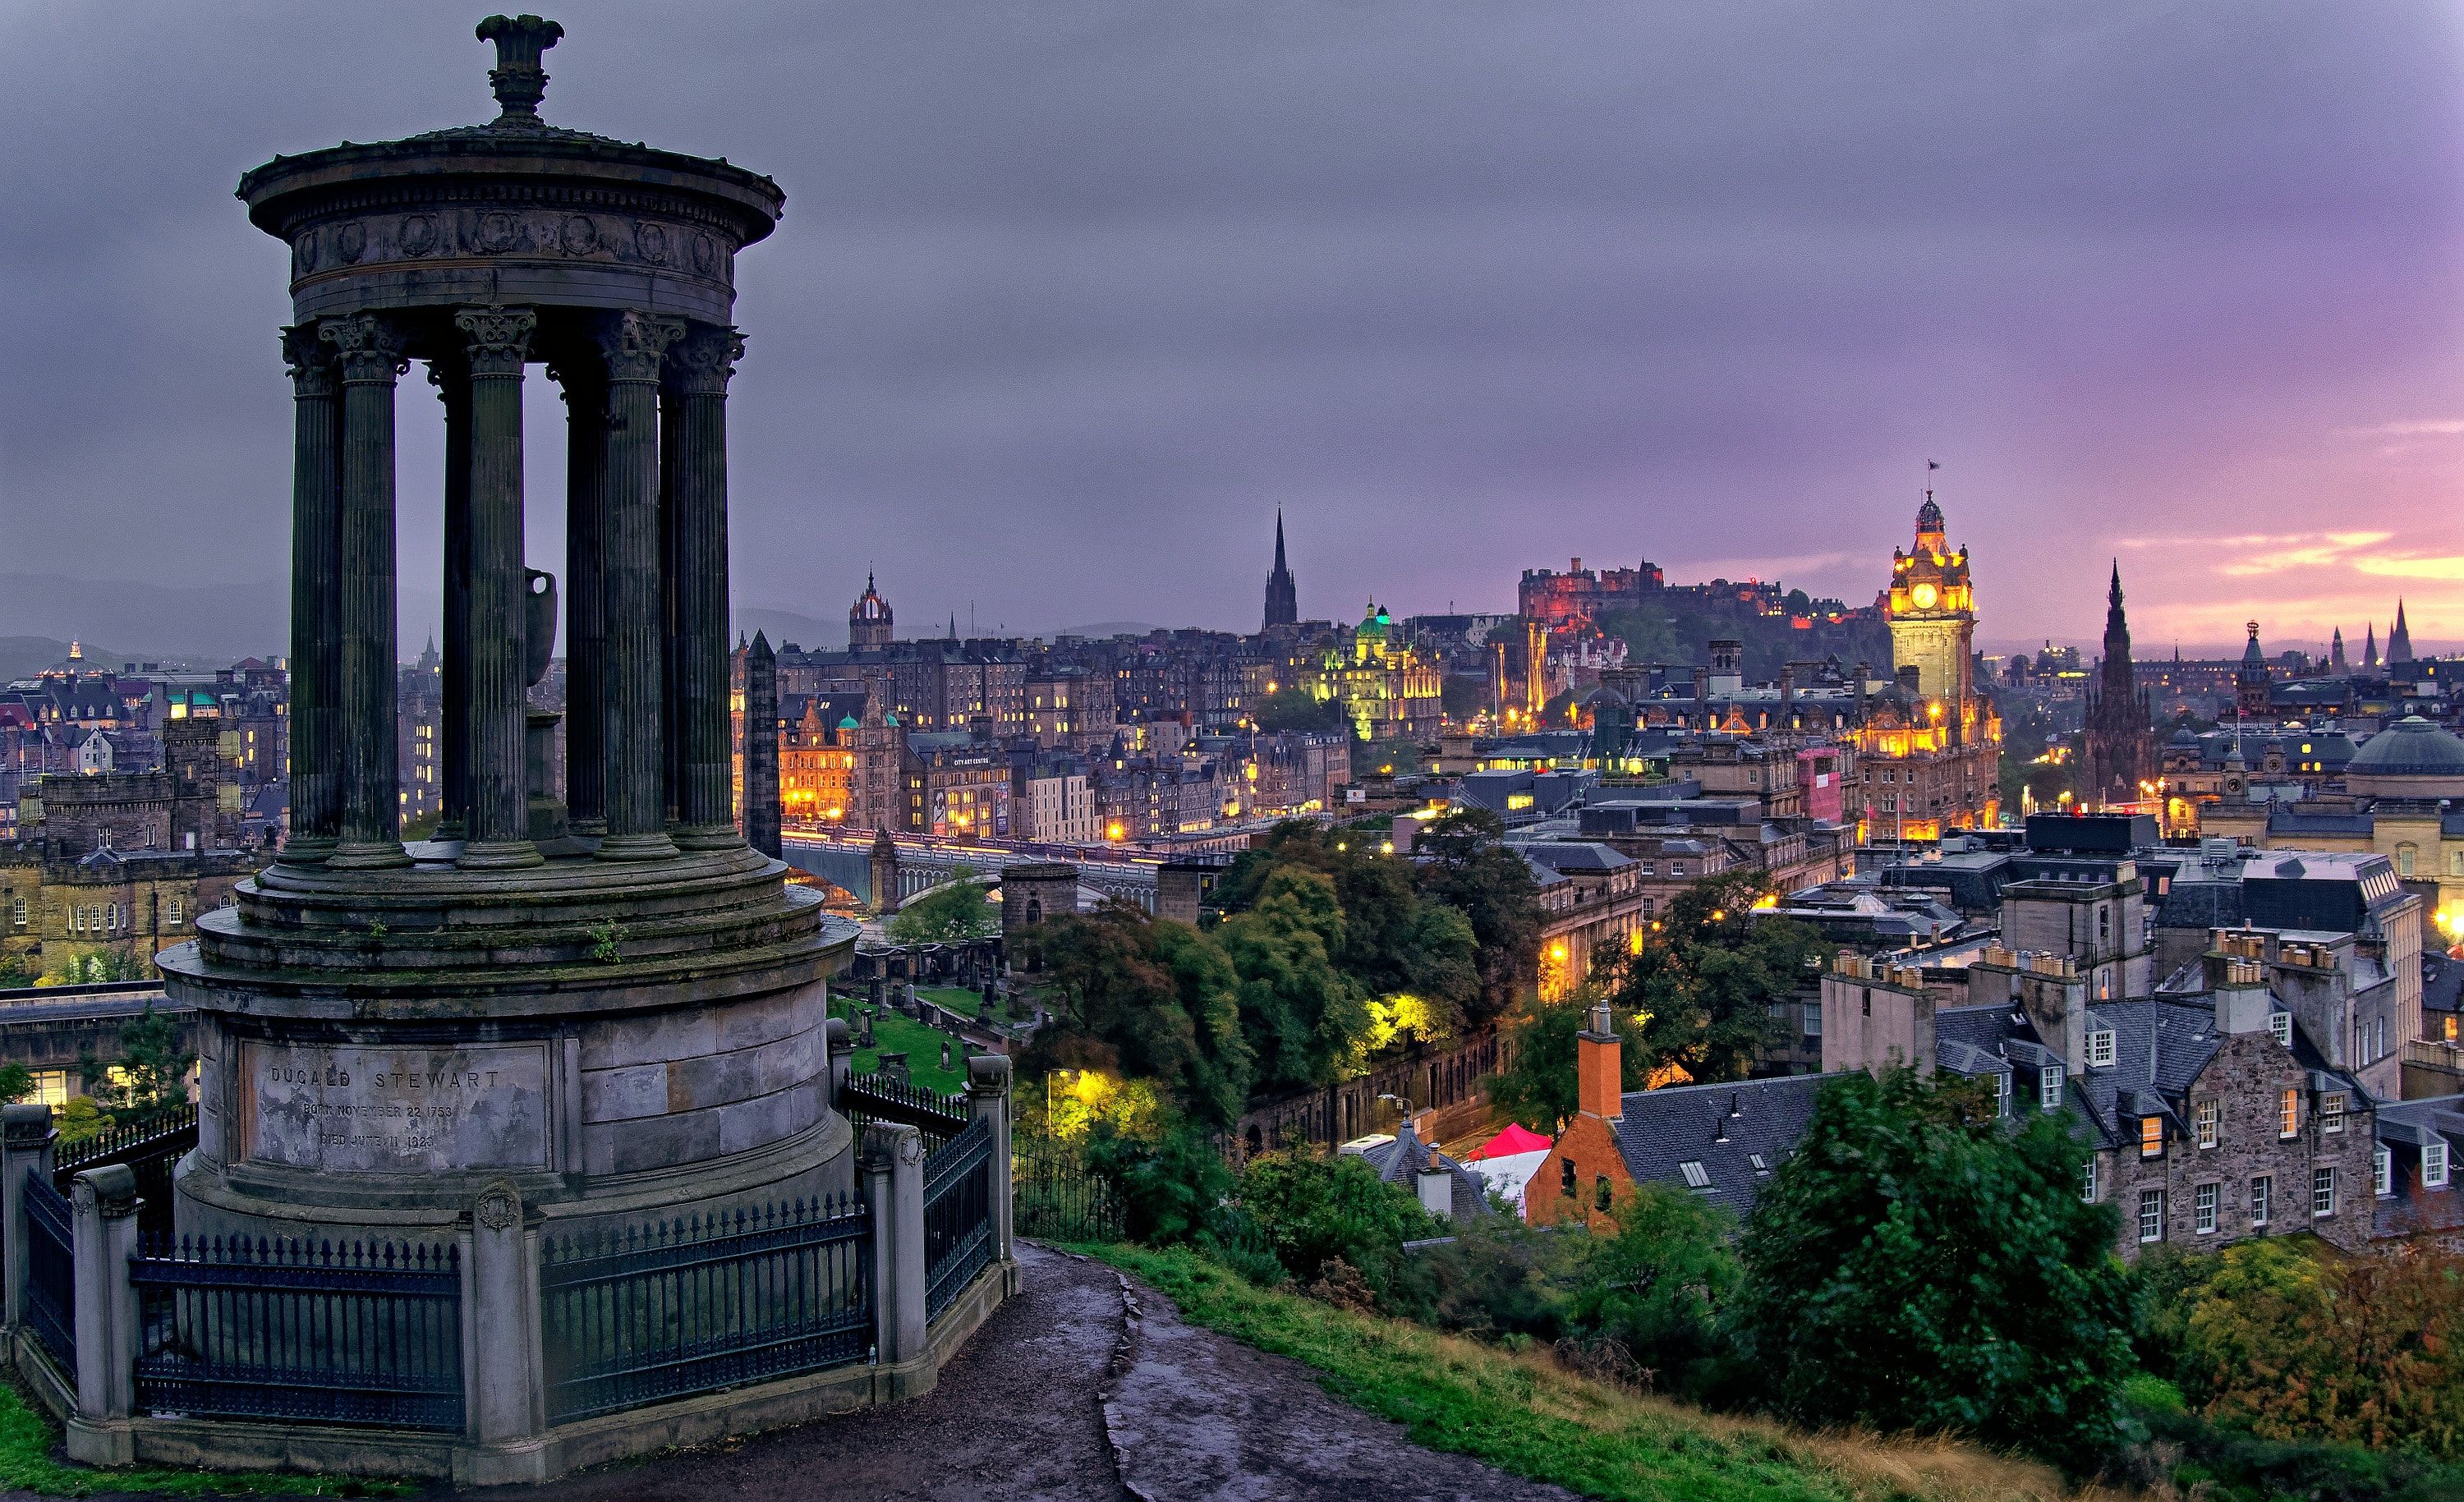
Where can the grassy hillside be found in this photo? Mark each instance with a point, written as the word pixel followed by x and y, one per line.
pixel 1523 1413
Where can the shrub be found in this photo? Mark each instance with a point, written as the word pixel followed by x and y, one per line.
pixel 1660 1284
pixel 2359 1350
pixel 1917 1265
pixel 1313 1210
pixel 1170 1185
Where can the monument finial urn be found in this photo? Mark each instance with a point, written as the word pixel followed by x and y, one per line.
pixel 517 78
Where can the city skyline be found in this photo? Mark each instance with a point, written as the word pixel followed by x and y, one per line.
pixel 1064 307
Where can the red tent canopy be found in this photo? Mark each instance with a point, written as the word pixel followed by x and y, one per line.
pixel 1515 1139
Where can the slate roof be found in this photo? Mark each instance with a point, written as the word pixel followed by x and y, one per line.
pixel 2403 1127
pixel 1402 1159
pixel 2160 1046
pixel 1722 1127
pixel 1575 856
pixel 2442 982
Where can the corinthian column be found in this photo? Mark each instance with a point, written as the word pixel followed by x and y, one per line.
pixel 496 341
pixel 699 369
pixel 452 382
pixel 635 345
pixel 369 348
pixel 316 578
pixel 585 604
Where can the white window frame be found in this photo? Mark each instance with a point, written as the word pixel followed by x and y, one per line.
pixel 2151 1145
pixel 2383 1171
pixel 2100 1049
pixel 2322 1192
pixel 2331 1111
pixel 2048 1087
pixel 2210 1117
pixel 2280 1023
pixel 2087 1189
pixel 2262 1199
pixel 2288 1115
pixel 2002 1092
pixel 2436 1165
pixel 2203 1211
pixel 2152 1215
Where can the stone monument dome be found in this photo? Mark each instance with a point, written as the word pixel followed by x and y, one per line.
pixel 610 1001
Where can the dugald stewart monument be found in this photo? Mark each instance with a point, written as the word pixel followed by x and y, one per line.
pixel 560 1081
pixel 615 1005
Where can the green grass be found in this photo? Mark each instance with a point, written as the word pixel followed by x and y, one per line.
pixel 964 1002
pixel 921 1044
pixel 28 1445
pixel 1523 1413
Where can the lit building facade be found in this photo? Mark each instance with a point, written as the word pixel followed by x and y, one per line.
pixel 1928 758
pixel 1387 689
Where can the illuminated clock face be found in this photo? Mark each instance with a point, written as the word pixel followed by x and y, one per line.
pixel 1924 595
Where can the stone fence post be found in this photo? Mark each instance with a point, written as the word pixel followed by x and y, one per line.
pixel 988 1096
pixel 26 1139
pixel 893 1186
pixel 503 1365
pixel 842 1058
pixel 103 1216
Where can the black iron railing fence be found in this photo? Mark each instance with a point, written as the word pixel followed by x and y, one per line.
pixel 1056 1197
pixel 50 1271
pixel 356 1333
pixel 870 1098
pixel 691 1306
pixel 957 1214
pixel 150 1147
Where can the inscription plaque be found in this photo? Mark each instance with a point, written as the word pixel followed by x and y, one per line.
pixel 376 1110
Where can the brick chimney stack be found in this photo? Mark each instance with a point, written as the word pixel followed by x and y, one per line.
pixel 1599 1068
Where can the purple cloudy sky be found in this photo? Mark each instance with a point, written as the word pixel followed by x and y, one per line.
pixel 1073 294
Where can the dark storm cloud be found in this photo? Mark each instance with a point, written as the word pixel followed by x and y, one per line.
pixel 1071 294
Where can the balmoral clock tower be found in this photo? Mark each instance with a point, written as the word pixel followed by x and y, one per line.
pixel 1933 615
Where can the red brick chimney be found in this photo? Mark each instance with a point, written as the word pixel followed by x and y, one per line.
pixel 1600 1077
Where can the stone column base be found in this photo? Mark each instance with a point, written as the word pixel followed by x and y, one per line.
pixel 106 1442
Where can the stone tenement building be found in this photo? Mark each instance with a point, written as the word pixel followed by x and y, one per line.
pixel 123 860
pixel 2214 1114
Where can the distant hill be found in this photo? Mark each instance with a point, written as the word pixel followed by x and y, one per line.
pixel 205 623
pixel 24 655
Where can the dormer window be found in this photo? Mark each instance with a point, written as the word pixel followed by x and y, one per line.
pixel 2048 1087
pixel 2280 1023
pixel 2331 1111
pixel 2151 1137
pixel 2100 1049
pixel 2434 1165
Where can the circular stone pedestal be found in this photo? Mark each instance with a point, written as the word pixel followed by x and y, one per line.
pixel 624 1042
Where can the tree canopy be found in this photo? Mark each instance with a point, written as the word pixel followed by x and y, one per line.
pixel 1149 998
pixel 957 909
pixel 1702 980
pixel 1462 861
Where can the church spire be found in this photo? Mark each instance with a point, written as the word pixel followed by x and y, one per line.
pixel 1282 595
pixel 2399 640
